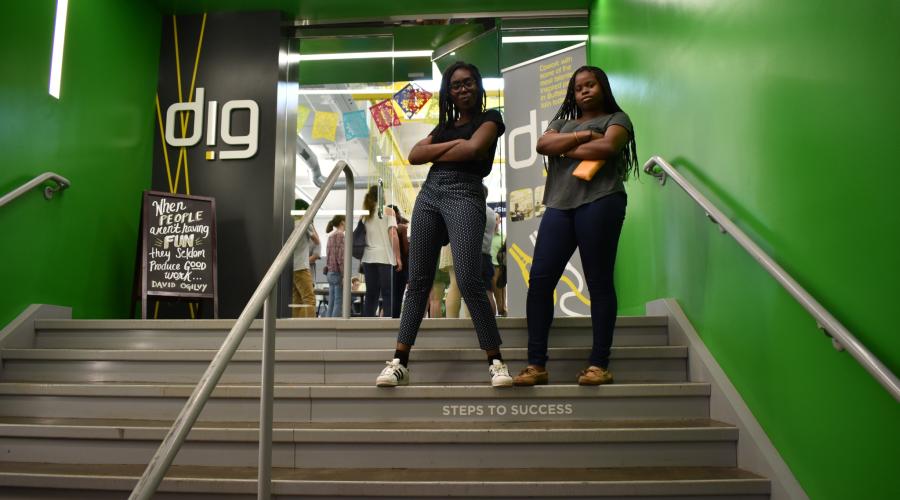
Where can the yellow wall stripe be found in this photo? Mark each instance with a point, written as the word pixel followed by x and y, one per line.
pixel 165 150
pixel 523 260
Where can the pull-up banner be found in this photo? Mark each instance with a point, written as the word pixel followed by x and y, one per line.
pixel 533 92
pixel 216 115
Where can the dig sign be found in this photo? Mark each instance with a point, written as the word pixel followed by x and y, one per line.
pixel 178 247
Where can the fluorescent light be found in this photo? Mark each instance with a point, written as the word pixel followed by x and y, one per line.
pixel 544 38
pixel 368 90
pixel 490 84
pixel 331 212
pixel 59 39
pixel 360 55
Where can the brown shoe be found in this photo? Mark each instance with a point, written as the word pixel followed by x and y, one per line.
pixel 594 375
pixel 531 376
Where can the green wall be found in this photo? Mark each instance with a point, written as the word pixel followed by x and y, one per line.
pixel 78 249
pixel 784 113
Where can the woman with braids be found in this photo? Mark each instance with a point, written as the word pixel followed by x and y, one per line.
pixel 450 207
pixel 587 214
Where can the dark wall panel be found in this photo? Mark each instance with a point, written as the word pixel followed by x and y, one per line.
pixel 238 60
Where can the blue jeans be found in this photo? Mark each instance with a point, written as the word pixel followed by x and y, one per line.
pixel 335 294
pixel 594 229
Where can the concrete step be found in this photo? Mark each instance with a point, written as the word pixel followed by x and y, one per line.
pixel 353 445
pixel 323 403
pixel 345 366
pixel 328 333
pixel 105 482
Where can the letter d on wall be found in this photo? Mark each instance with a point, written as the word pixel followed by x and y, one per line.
pixel 197 108
pixel 531 130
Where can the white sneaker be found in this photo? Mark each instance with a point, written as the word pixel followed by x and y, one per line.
pixel 394 374
pixel 500 374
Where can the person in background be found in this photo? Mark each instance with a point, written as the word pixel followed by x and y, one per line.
pixel 303 295
pixel 487 265
pixel 334 264
pixel 439 286
pixel 453 300
pixel 381 257
pixel 498 259
pixel 583 214
pixel 315 254
pixel 449 208
pixel 401 276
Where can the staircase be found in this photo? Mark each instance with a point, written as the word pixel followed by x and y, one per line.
pixel 84 407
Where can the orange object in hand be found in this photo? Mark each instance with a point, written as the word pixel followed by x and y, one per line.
pixel 587 169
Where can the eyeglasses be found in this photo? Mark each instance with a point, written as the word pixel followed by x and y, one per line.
pixel 456 86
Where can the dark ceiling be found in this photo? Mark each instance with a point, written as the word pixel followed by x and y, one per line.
pixel 335 10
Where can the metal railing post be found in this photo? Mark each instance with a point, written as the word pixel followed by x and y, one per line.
pixel 165 454
pixel 267 388
pixel 349 225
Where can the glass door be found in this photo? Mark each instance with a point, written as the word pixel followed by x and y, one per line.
pixel 345 111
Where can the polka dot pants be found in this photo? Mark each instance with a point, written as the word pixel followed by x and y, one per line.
pixel 450 207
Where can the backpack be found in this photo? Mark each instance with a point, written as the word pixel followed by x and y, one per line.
pixel 359 240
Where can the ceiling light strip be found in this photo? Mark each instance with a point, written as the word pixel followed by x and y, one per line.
pixel 59 40
pixel 543 38
pixel 360 55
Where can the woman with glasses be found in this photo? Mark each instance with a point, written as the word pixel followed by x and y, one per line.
pixel 450 207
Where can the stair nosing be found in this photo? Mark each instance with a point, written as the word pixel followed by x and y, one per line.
pixel 672 434
pixel 338 324
pixel 254 355
pixel 306 391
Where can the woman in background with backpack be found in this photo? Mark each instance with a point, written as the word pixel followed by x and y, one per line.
pixel 381 256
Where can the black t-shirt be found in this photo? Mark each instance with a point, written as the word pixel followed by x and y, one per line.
pixel 480 167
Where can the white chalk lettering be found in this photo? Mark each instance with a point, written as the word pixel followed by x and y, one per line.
pixel 165 266
pixel 189 253
pixel 164 206
pixel 179 240
pixel 194 287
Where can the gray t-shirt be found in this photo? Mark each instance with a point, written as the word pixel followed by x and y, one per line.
pixel 301 251
pixel 563 190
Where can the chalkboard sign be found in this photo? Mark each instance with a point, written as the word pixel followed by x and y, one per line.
pixel 178 247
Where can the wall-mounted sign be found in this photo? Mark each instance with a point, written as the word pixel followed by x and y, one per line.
pixel 178 248
pixel 250 140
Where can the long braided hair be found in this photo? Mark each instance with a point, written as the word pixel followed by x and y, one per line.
pixel 448 113
pixel 569 110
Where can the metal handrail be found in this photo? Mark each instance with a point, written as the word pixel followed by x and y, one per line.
pixel 841 338
pixel 61 183
pixel 265 295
